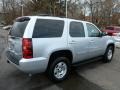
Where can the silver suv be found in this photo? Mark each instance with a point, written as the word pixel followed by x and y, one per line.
pixel 42 43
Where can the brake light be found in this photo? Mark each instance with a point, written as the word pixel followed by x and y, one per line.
pixel 114 34
pixel 27 48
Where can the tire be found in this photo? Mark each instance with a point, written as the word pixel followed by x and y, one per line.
pixel 108 54
pixel 59 69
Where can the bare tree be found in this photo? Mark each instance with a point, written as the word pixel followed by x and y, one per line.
pixel 100 10
pixel 75 9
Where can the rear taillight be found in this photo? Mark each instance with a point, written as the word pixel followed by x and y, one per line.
pixel 114 34
pixel 27 48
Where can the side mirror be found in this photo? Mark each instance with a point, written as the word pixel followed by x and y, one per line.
pixel 103 34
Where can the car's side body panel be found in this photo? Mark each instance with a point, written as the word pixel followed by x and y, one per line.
pixel 82 48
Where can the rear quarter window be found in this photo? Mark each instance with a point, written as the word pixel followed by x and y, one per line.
pixel 46 28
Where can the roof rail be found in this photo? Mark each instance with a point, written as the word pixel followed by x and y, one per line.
pixel 50 15
pixel 44 15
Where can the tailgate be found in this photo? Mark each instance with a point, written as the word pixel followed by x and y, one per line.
pixel 15 37
pixel 15 45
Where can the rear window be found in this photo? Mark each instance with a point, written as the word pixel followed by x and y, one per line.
pixel 109 28
pixel 19 27
pixel 45 28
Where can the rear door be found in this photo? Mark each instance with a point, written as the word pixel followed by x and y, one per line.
pixel 78 41
pixel 16 34
pixel 47 36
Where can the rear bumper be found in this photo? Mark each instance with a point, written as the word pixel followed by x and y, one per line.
pixel 34 65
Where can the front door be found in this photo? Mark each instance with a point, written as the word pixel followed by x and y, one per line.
pixel 96 42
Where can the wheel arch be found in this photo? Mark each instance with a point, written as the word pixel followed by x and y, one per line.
pixel 58 53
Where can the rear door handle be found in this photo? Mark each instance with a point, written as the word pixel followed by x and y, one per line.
pixel 73 42
pixel 91 41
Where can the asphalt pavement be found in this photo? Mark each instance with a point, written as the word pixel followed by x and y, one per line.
pixel 92 76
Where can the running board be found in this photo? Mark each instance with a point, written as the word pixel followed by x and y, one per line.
pixel 87 61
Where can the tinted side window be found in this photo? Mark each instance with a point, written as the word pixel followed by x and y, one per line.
pixel 77 29
pixel 92 30
pixel 45 28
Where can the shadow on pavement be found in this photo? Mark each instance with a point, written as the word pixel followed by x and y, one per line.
pixel 13 79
